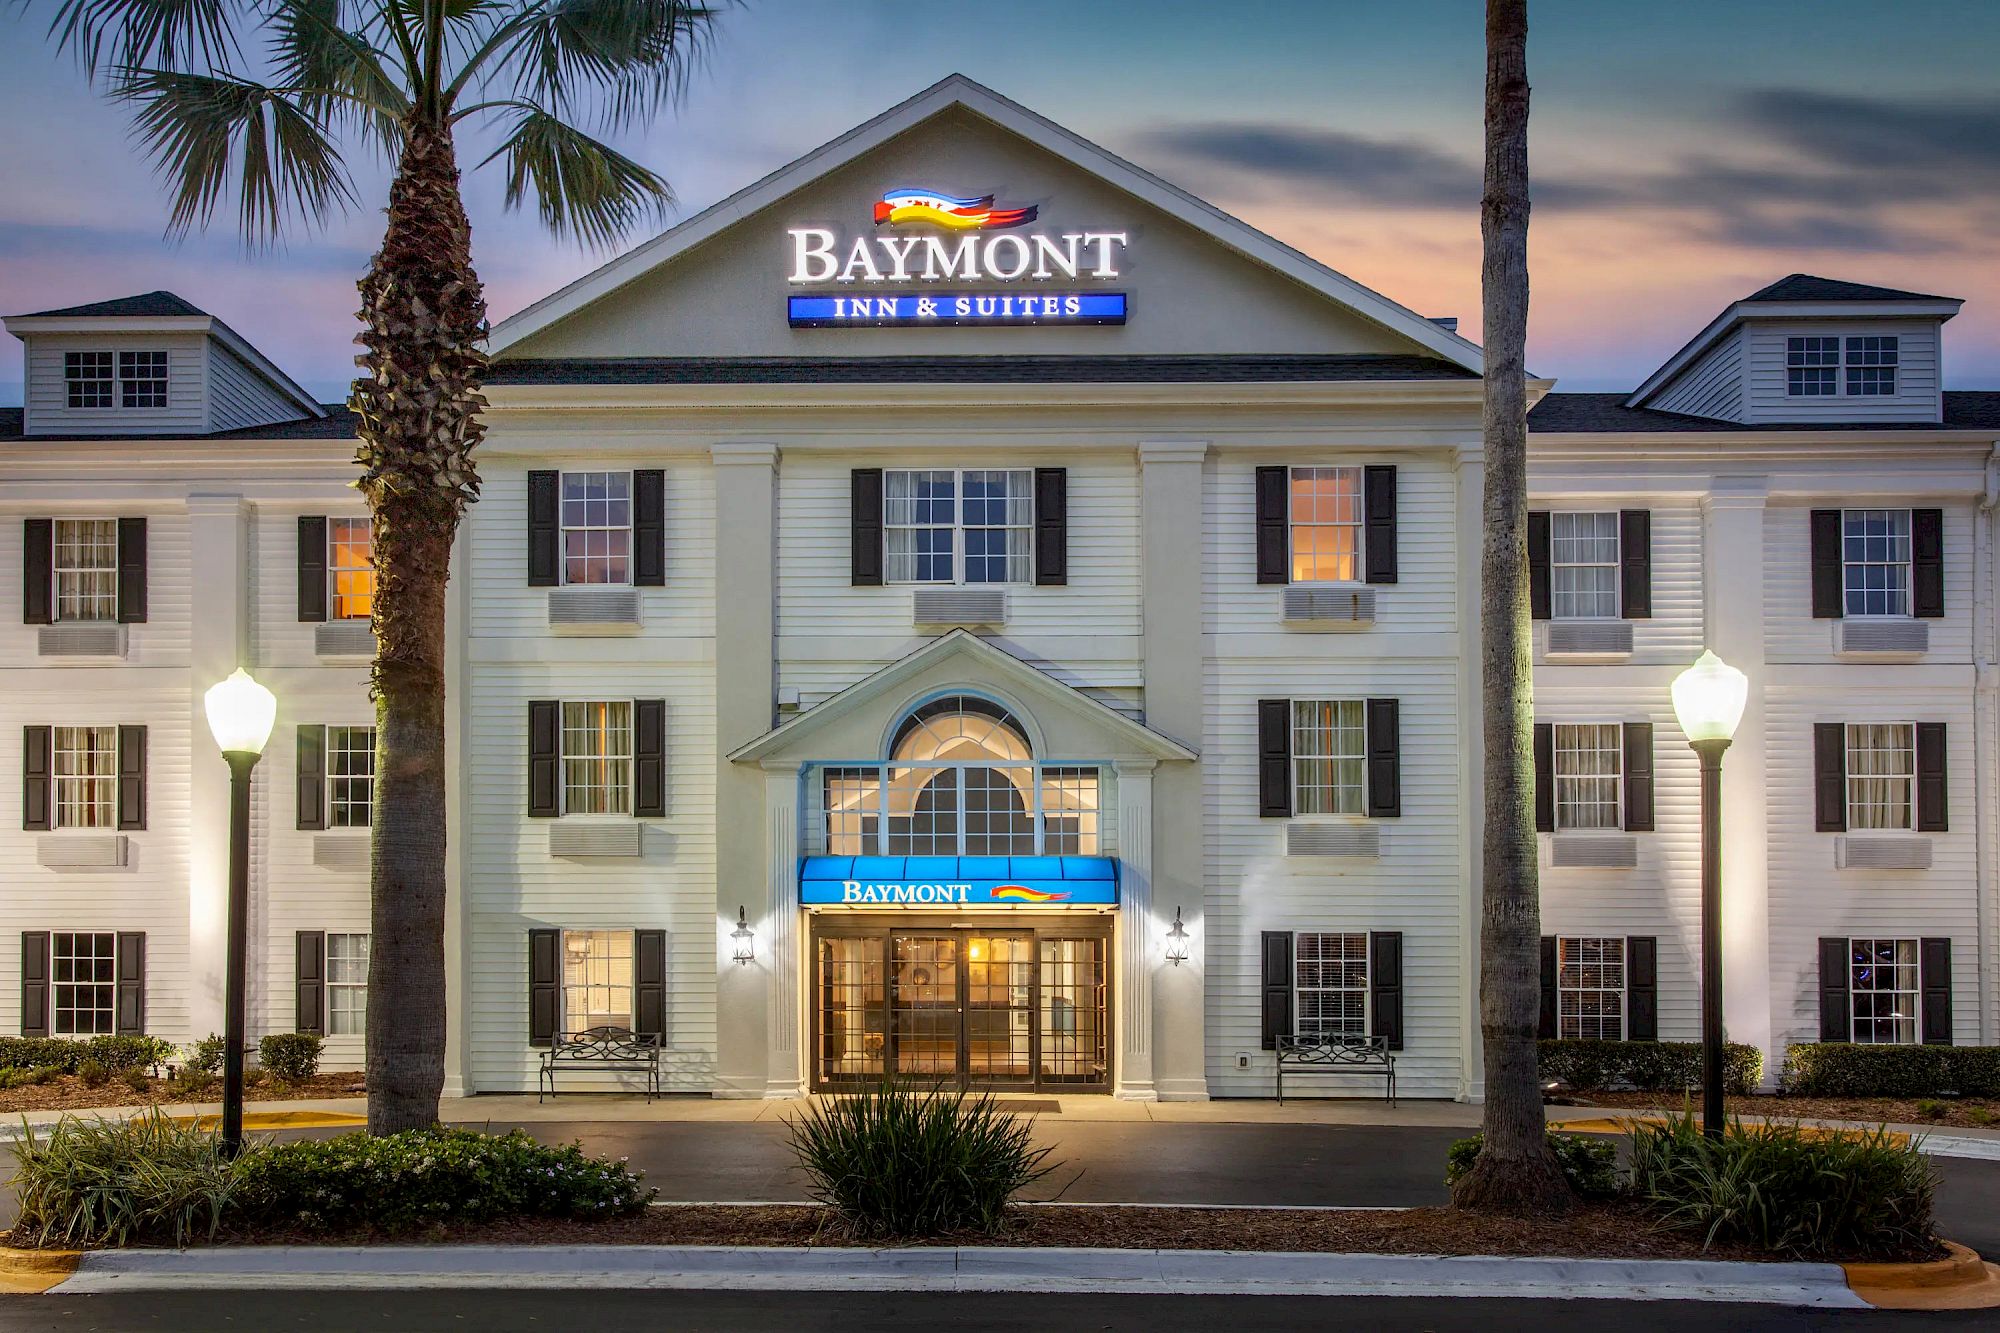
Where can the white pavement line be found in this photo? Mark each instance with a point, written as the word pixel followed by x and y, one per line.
pixel 1191 1272
pixel 1945 1145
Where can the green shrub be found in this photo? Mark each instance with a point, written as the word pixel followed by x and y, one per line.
pixel 115 1053
pixel 895 1161
pixel 93 1074
pixel 1650 1066
pixel 195 1082
pixel 1931 1109
pixel 291 1056
pixel 432 1176
pixel 137 1080
pixel 1979 1115
pixel 112 1182
pixel 1787 1190
pixel 1840 1069
pixel 207 1054
pixel 1590 1165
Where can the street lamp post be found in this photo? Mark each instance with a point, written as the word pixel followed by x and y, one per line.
pixel 240 714
pixel 1708 701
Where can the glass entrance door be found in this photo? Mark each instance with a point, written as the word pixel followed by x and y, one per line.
pixel 925 1011
pixel 999 1008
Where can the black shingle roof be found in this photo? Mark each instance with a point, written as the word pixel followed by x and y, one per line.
pixel 337 424
pixel 1806 287
pixel 146 305
pixel 1591 413
pixel 970 370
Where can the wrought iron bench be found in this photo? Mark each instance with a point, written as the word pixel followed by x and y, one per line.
pixel 1337 1055
pixel 613 1048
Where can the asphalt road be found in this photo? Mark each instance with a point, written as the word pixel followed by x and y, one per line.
pixel 810 1312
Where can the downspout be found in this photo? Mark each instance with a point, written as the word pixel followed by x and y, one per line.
pixel 1986 748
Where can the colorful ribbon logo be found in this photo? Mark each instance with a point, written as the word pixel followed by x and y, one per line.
pixel 900 206
pixel 1022 893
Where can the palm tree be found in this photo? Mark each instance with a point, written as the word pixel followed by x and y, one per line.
pixel 256 102
pixel 1514 1170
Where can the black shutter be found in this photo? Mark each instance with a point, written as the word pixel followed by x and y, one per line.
pixel 38 566
pixel 131 778
pixel 544 982
pixel 1826 565
pixel 130 1013
pixel 1378 514
pixel 1927 563
pixel 1546 1028
pixel 1830 777
pixel 35 1004
pixel 1635 564
pixel 649 983
pixel 864 532
pixel 1545 778
pixel 1274 529
pixel 1638 777
pixel 649 758
pixel 649 528
pixel 544 758
pixel 1051 527
pixel 1277 987
pixel 312 569
pixel 38 804
pixel 1934 975
pixel 309 1004
pixel 1385 986
pixel 131 571
pixel 1836 1019
pixel 1385 759
pixel 1642 988
pixel 1540 603
pixel 312 779
pixel 1933 791
pixel 1274 758
pixel 544 529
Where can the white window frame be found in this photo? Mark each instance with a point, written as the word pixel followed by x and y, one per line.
pixel 597 976
pixel 355 992
pixel 104 385
pixel 565 527
pixel 336 600
pixel 100 580
pixel 1558 566
pixel 95 777
pixel 1344 966
pixel 1303 726
pixel 62 1017
pixel 1865 813
pixel 1358 524
pixel 1906 564
pixel 1567 801
pixel 1877 352
pixel 1795 360
pixel 1572 974
pixel 1020 564
pixel 131 383
pixel 341 804
pixel 617 771
pixel 1915 992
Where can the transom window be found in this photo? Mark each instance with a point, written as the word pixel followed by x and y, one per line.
pixel 350 777
pixel 1583 566
pixel 597 527
pixel 346 985
pixel 86 776
pixel 1329 757
pixel 1589 760
pixel 1871 366
pixel 1590 987
pixel 84 975
pixel 1326 524
pixel 1812 367
pixel 142 379
pixel 1875 561
pixel 1881 774
pixel 88 377
pixel 597 979
pixel 971 526
pixel 86 568
pixel 1332 984
pixel 350 568
pixel 597 758
pixel 1882 988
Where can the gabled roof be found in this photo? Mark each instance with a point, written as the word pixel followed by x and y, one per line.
pixel 959 91
pixel 1806 287
pixel 1001 665
pixel 1608 414
pixel 146 305
pixel 334 422
pixel 970 369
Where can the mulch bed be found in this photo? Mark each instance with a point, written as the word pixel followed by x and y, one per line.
pixel 68 1093
pixel 1957 1113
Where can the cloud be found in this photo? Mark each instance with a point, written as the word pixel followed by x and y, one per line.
pixel 1953 142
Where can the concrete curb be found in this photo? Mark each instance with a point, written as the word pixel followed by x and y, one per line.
pixel 1193 1272
pixel 31 1271
pixel 1963 1281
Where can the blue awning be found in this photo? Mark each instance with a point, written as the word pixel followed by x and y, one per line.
pixel 952 881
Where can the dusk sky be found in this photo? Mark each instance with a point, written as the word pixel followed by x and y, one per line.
pixel 1683 155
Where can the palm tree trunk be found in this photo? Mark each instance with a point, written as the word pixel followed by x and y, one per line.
pixel 423 316
pixel 1514 1171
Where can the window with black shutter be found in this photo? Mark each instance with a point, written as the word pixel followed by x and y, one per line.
pixel 1824 529
pixel 1836 1016
pixel 1635 564
pixel 1277 987
pixel 131 778
pixel 1274 758
pixel 1927 563
pixel 649 758
pixel 312 568
pixel 1385 759
pixel 1830 777
pixel 1545 777
pixel 1540 598
pixel 544 758
pixel 864 534
pixel 1385 987
pixel 1546 1026
pixel 309 973
pixel 1274 558
pixel 131 571
pixel 544 985
pixel 38 802
pixel 35 998
pixel 311 785
pixel 649 528
pixel 131 986
pixel 1934 970
pixel 1642 988
pixel 1379 517
pixel 544 529
pixel 1933 790
pixel 649 983
pixel 38 571
pixel 1638 777
pixel 1051 527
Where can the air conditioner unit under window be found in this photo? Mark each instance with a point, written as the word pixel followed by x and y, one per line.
pixel 1329 606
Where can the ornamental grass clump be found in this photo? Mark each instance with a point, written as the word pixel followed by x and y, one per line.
pixel 897 1161
pixel 115 1182
pixel 1788 1190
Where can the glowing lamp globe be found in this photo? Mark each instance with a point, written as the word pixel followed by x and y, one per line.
pixel 1709 698
pixel 240 713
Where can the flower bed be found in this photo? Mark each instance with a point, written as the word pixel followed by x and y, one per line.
pixel 69 1092
pixel 1938 1112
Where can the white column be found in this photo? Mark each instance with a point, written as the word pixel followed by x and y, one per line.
pixel 1139 961
pixel 1470 469
pixel 1986 745
pixel 458 703
pixel 780 936
pixel 219 639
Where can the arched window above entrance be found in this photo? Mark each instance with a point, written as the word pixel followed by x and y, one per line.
pixel 960 728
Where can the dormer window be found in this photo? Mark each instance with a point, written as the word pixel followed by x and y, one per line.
pixel 88 375
pixel 1871 367
pixel 1812 367
pixel 142 379
pixel 122 379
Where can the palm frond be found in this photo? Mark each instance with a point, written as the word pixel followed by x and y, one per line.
pixel 131 34
pixel 582 187
pixel 348 80
pixel 630 57
pixel 207 133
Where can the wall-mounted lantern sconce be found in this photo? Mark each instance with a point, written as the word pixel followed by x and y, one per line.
pixel 1177 940
pixel 746 942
